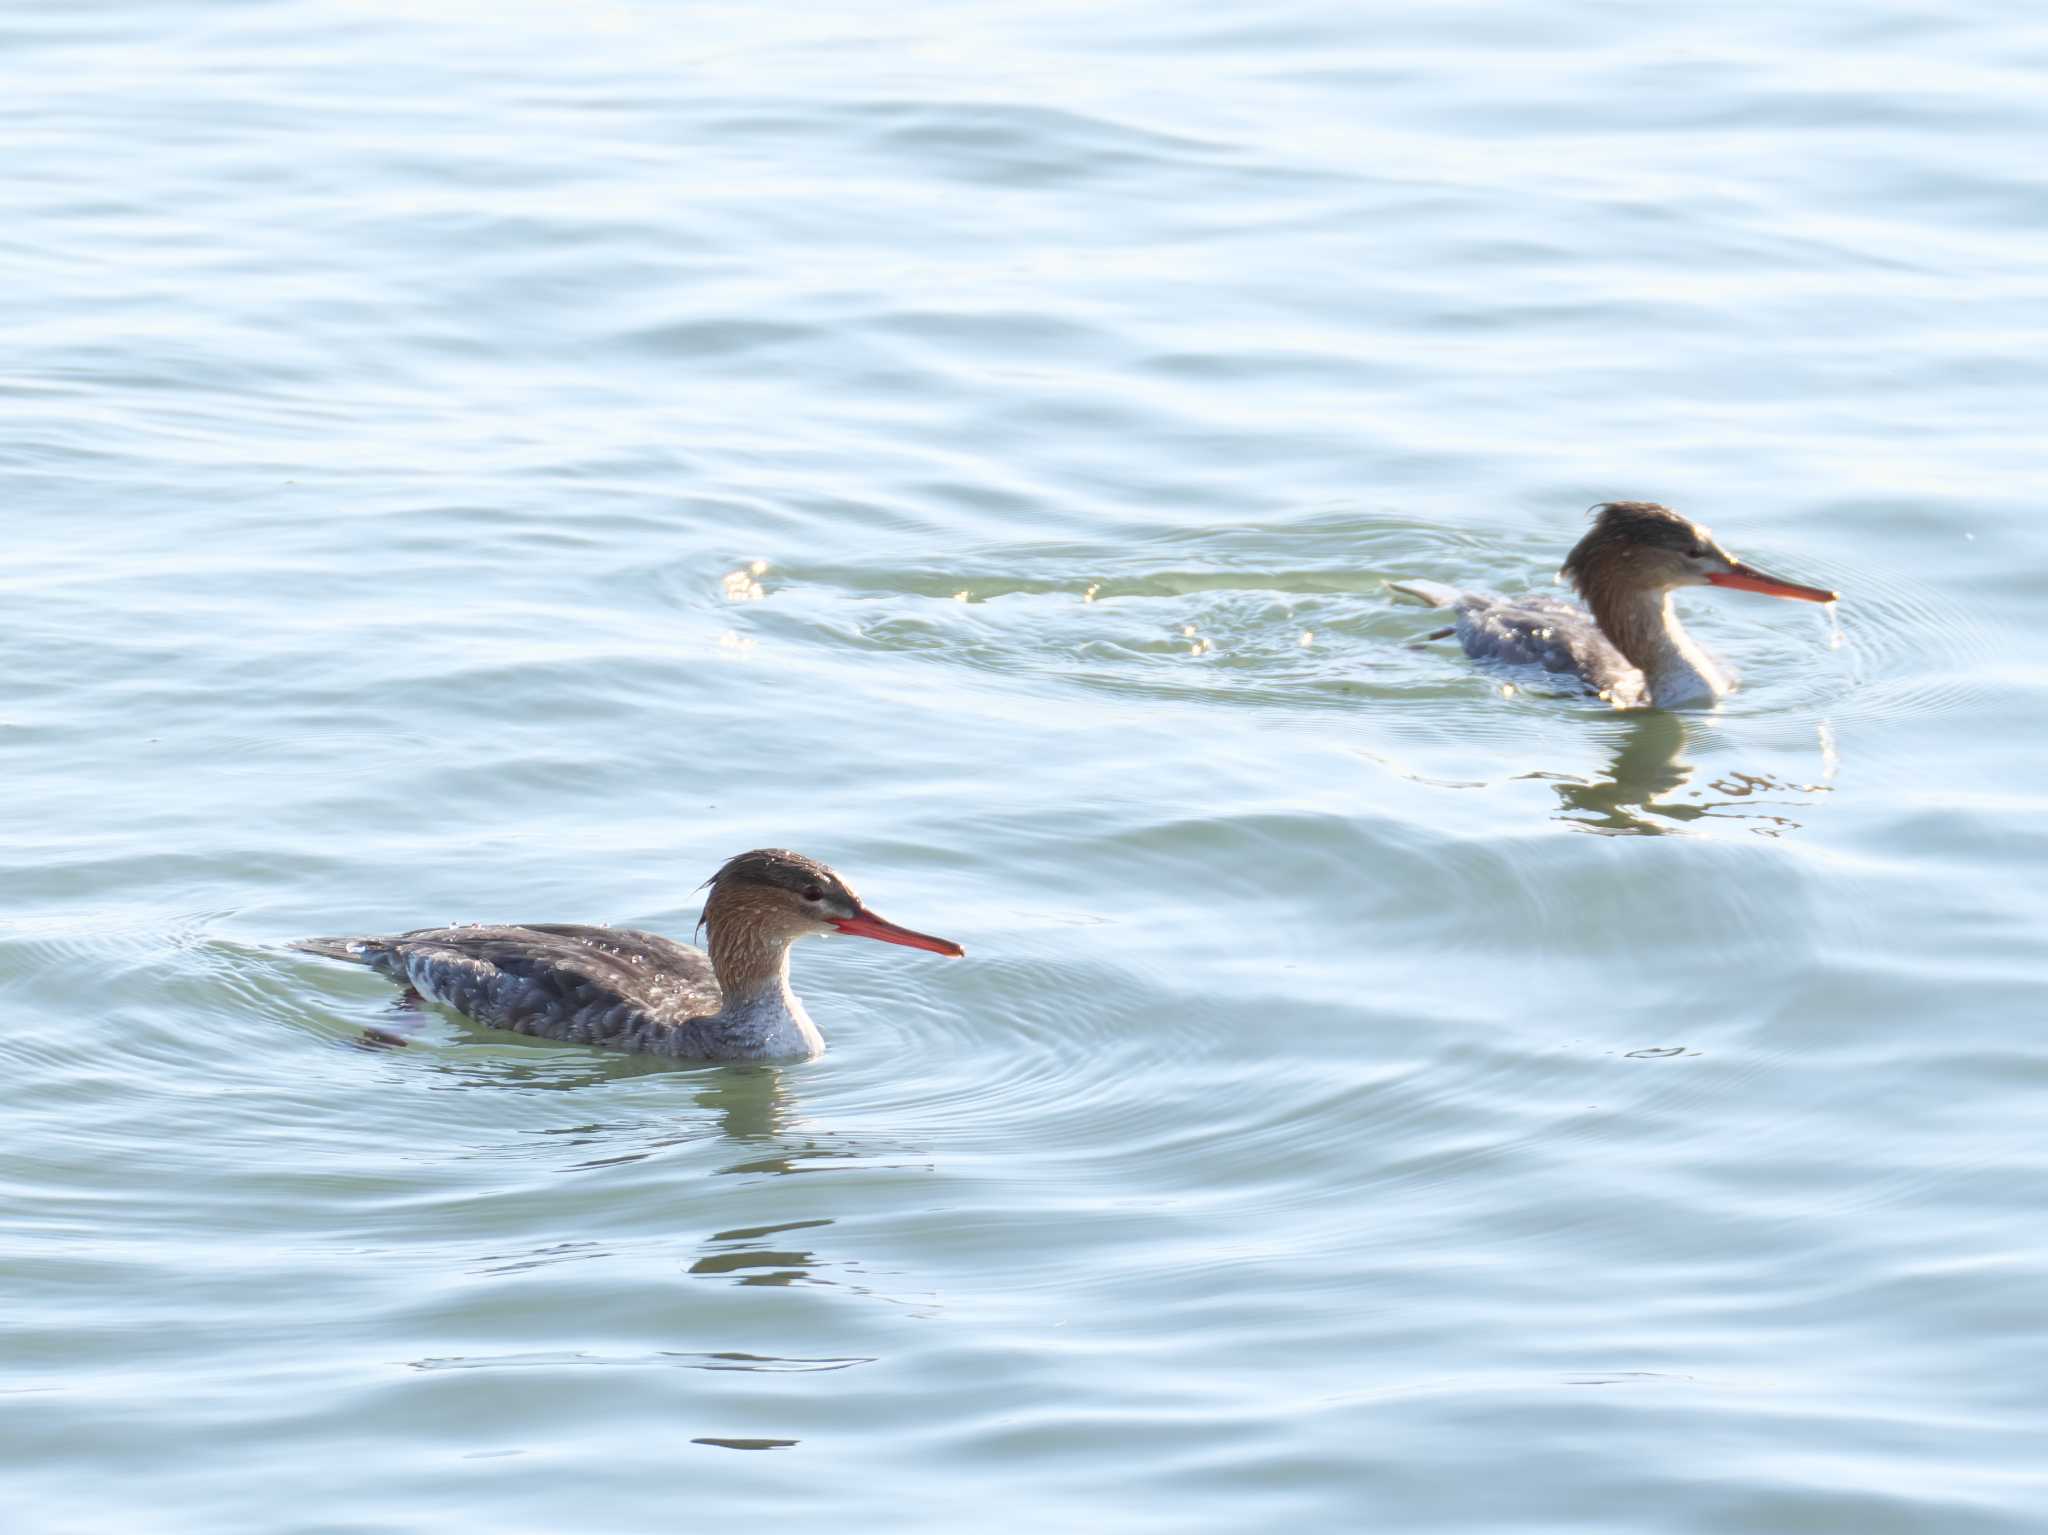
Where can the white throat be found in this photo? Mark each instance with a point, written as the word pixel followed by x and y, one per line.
pixel 770 1021
pixel 1646 630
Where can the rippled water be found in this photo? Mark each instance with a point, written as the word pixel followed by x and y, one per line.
pixel 498 465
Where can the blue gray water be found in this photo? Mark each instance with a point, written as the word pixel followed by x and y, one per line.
pixel 495 464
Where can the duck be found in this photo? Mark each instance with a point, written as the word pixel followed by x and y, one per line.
pixel 1626 643
pixel 621 988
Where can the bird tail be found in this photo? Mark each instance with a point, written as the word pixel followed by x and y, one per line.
pixel 1434 593
pixel 357 951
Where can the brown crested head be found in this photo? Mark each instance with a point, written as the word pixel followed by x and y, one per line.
pixel 775 894
pixel 1639 543
pixel 1640 546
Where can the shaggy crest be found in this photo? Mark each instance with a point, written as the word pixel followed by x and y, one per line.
pixel 1621 526
pixel 778 868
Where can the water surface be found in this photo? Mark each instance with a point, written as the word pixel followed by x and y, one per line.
pixel 497 465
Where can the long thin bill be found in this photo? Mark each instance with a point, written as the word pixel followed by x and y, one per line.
pixel 1747 578
pixel 867 925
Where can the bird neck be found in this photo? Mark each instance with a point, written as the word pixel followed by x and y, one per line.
pixel 767 1024
pixel 1643 624
pixel 759 1016
pixel 746 960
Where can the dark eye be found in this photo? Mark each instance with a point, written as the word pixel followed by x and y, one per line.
pixel 813 893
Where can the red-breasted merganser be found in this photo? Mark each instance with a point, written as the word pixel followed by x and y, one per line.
pixel 1630 647
pixel 629 990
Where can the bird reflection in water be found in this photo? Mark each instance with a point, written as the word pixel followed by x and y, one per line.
pixel 747 1123
pixel 757 1115
pixel 1638 797
pixel 750 1118
pixel 746 1256
pixel 743 1444
pixel 765 1255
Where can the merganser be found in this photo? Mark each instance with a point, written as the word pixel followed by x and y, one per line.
pixel 1629 648
pixel 628 990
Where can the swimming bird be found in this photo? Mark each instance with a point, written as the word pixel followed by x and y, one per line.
pixel 624 989
pixel 1626 644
